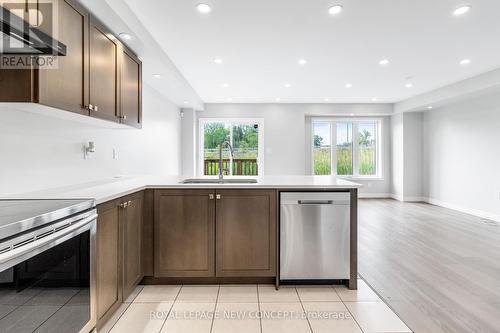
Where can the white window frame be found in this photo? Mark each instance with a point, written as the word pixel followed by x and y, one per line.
pixel 355 145
pixel 260 150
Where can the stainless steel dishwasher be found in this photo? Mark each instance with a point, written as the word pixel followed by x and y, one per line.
pixel 314 236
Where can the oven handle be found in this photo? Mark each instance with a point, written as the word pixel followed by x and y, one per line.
pixel 22 253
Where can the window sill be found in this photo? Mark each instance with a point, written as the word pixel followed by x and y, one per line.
pixel 361 178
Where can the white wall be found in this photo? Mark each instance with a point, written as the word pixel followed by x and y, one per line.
pixel 407 156
pixel 38 152
pixel 462 155
pixel 413 156
pixel 188 139
pixel 286 134
pixel 397 156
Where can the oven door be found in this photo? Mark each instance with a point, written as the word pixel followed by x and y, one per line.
pixel 47 278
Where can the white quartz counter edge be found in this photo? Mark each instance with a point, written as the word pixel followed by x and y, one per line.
pixel 107 190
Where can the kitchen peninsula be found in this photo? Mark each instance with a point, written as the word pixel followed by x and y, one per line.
pixel 159 230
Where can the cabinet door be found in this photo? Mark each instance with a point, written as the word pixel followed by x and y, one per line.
pixel 184 233
pixel 131 89
pixel 131 223
pixel 246 233
pixel 108 259
pixel 103 62
pixel 67 86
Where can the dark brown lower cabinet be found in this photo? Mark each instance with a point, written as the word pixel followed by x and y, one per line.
pixel 131 224
pixel 108 284
pixel 119 242
pixel 246 233
pixel 204 233
pixel 184 230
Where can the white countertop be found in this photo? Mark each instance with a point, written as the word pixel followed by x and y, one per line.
pixel 109 189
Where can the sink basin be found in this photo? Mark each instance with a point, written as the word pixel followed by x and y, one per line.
pixel 219 181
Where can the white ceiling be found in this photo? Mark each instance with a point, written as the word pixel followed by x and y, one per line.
pixel 260 42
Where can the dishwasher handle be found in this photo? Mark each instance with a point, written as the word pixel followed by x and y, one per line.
pixel 315 202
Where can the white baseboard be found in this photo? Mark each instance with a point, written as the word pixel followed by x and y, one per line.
pixel 373 195
pixel 467 210
pixel 396 197
pixel 415 199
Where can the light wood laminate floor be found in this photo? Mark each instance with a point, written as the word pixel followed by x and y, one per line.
pixel 438 269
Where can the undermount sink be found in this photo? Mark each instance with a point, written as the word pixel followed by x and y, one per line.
pixel 219 181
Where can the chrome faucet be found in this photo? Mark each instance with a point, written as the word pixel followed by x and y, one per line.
pixel 221 170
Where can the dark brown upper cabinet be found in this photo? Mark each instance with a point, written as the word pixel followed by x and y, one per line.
pixel 65 87
pixel 104 76
pixel 98 76
pixel 131 89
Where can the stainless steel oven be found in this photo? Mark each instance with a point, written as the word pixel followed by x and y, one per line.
pixel 47 268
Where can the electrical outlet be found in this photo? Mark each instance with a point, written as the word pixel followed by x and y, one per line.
pixel 115 153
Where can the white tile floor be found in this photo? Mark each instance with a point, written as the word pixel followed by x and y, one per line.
pixel 254 309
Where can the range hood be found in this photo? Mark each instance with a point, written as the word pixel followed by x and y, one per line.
pixel 17 36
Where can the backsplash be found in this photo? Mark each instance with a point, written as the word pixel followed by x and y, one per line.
pixel 38 152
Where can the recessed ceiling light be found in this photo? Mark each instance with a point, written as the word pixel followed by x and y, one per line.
pixel 287 85
pixel 278 99
pixel 409 85
pixel 326 99
pixel 204 8
pixel 186 102
pixel 374 99
pixel 383 62
pixel 229 99
pixel 429 107
pixel 462 10
pixel 126 36
pixel 335 9
pixel 218 60
pixel 156 76
pixel 302 61
pixel 225 85
pixel 351 114
pixel 465 62
pixel 348 85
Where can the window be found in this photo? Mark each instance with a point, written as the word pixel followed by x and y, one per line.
pixel 322 149
pixel 246 138
pixel 349 148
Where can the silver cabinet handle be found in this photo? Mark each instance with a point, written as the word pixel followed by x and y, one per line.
pixel 315 202
pixel 123 117
pixel 124 205
pixel 218 196
pixel 211 196
pixel 96 108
